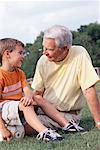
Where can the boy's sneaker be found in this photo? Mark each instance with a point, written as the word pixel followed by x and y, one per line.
pixel 73 127
pixel 49 135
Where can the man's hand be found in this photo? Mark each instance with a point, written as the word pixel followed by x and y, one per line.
pixel 98 125
pixel 6 134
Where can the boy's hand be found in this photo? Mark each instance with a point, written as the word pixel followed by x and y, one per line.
pixel 6 134
pixel 27 100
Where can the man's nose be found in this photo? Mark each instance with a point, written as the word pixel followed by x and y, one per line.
pixel 45 52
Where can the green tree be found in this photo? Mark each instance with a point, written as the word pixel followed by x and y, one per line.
pixel 34 52
pixel 89 37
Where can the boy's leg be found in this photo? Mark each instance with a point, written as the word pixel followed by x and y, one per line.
pixel 10 115
pixel 28 129
pixel 31 118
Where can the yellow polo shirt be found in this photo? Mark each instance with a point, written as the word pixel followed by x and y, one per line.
pixel 64 81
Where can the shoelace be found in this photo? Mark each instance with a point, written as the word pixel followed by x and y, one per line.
pixel 43 135
pixel 78 128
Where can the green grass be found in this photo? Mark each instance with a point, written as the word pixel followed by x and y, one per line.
pixel 98 87
pixel 77 141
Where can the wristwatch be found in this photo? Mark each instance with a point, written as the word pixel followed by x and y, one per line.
pixel 98 123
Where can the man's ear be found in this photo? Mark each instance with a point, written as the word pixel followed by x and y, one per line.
pixel 6 53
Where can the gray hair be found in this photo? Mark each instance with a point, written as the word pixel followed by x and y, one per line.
pixel 61 34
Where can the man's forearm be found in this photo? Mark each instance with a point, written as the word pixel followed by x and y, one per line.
pixel 93 103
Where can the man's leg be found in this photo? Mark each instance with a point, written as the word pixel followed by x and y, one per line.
pixel 54 125
pixel 51 111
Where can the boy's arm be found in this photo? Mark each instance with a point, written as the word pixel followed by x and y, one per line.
pixel 27 91
pixel 6 134
pixel 28 97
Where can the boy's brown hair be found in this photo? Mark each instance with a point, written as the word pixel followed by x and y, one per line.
pixel 8 44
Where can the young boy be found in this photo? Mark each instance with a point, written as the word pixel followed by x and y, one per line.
pixel 14 106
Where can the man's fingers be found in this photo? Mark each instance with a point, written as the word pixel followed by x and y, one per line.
pixel 9 138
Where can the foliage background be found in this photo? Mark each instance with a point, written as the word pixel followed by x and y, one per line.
pixel 87 36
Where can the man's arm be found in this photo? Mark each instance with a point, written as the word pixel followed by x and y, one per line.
pixel 38 92
pixel 93 104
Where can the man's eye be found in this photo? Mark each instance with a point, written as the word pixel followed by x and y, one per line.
pixel 20 53
pixel 51 49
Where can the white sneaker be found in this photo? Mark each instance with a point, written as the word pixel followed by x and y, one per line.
pixel 49 135
pixel 73 127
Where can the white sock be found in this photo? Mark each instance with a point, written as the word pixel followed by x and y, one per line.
pixel 44 131
pixel 64 128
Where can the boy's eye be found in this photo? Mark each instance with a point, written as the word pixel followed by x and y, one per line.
pixel 22 52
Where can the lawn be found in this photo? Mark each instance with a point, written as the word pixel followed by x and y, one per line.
pixel 98 86
pixel 77 141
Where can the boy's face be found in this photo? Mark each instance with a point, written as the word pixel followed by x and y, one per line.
pixel 16 57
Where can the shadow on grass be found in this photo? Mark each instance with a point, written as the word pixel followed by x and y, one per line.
pixel 87 123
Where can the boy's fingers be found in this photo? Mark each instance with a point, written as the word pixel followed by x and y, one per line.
pixel 29 102
pixel 22 99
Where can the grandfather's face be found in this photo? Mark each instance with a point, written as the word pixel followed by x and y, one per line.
pixel 51 51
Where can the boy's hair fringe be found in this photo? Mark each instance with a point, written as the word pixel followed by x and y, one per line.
pixel 8 44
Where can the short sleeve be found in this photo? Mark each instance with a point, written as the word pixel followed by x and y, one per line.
pixel 37 83
pixel 87 75
pixel 1 87
pixel 23 79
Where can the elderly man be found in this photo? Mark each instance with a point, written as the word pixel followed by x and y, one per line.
pixel 63 74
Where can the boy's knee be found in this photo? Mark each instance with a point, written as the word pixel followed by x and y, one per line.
pixel 23 108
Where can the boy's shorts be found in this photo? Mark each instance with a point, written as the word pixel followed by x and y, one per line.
pixel 10 113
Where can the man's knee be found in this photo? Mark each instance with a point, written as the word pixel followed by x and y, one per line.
pixel 39 100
